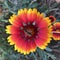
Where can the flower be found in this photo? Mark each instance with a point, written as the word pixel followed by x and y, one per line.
pixel 56 31
pixel 29 29
pixel 52 18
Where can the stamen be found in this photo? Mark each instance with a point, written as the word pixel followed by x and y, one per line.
pixel 36 36
pixel 33 23
pixel 24 24
pixel 21 28
pixel 28 23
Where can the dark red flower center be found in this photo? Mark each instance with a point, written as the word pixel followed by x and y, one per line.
pixel 29 31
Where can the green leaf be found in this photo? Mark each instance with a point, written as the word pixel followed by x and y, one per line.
pixel 51 56
pixel 42 54
pixel 34 56
pixel 32 5
pixel 48 49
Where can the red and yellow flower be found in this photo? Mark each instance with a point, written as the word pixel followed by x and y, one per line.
pixel 52 18
pixel 56 31
pixel 29 29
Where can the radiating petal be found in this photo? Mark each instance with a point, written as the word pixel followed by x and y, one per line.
pixel 56 31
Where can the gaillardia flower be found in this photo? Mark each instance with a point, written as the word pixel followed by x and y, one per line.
pixel 56 31
pixel 52 18
pixel 29 29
